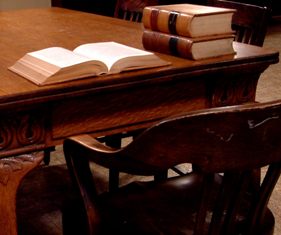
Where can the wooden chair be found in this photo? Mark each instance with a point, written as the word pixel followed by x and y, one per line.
pixel 250 21
pixel 221 197
pixel 131 9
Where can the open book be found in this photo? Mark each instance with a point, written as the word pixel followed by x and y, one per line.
pixel 57 64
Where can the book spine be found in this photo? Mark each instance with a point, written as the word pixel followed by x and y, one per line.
pixel 171 22
pixel 167 44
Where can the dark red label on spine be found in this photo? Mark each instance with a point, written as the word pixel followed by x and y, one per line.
pixel 154 19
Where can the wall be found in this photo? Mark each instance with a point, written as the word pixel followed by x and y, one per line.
pixel 17 4
pixel 103 7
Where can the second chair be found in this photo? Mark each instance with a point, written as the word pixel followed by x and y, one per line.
pixel 249 22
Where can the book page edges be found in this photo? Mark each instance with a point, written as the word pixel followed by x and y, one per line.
pixel 213 48
pixel 34 69
pixel 42 73
pixel 216 25
pixel 137 63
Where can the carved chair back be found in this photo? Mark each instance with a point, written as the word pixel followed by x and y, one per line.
pixel 228 146
pixel 131 9
pixel 249 22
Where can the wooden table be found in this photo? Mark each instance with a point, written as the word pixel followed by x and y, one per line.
pixel 33 118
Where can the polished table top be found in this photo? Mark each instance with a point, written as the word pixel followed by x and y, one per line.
pixel 28 30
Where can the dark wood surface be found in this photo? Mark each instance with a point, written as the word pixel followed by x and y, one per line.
pixel 33 118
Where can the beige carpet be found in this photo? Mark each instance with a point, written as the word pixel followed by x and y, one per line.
pixel 269 88
pixel 39 201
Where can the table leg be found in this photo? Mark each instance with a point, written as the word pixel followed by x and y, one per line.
pixel 12 171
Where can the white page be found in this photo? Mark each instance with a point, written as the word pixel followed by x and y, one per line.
pixel 108 52
pixel 59 56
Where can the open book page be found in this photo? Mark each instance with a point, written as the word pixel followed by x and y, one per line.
pixel 59 56
pixel 118 57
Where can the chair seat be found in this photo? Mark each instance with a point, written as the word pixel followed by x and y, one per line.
pixel 140 208
pixel 153 199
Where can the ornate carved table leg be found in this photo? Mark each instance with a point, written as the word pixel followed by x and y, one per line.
pixel 12 171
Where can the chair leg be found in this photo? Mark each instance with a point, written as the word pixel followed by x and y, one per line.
pixel 113 141
pixel 47 155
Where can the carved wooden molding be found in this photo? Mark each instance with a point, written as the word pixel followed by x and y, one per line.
pixel 5 136
pixel 233 91
pixel 29 130
pixel 21 130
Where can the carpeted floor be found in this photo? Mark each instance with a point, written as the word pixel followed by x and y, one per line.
pixel 269 88
pixel 43 191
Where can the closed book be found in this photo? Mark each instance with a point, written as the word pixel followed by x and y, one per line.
pixel 188 20
pixel 190 48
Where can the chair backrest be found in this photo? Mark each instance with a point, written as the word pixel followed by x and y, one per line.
pixel 250 21
pixel 214 138
pixel 234 141
pixel 131 9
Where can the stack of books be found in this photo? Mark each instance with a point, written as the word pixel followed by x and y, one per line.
pixel 188 30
